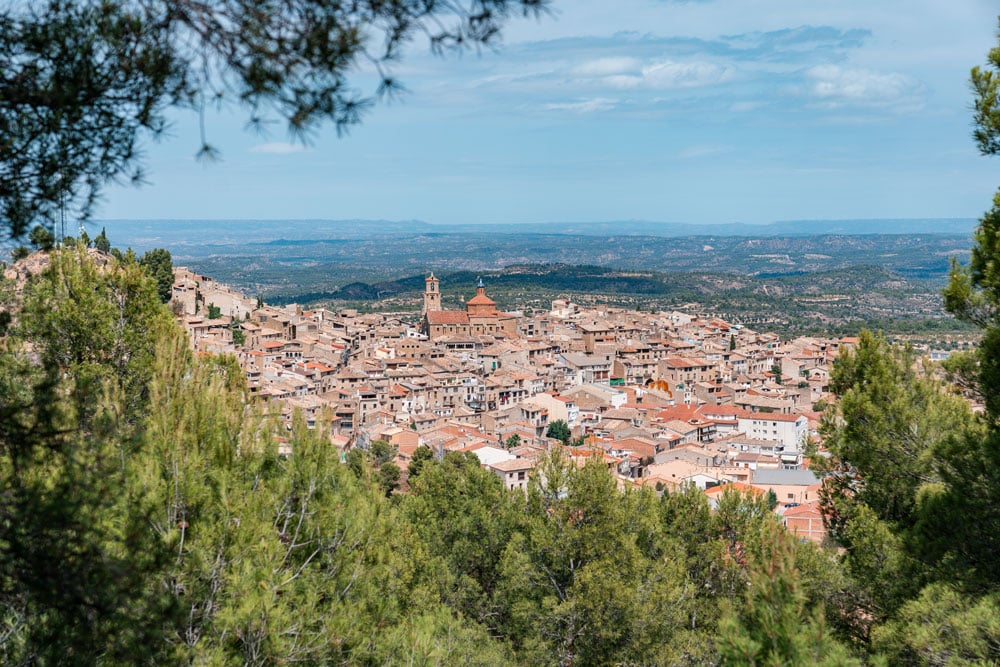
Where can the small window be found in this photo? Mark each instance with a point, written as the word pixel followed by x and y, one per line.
pixel 791 496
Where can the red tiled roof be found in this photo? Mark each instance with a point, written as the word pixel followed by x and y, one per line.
pixel 736 486
pixel 481 300
pixel 810 509
pixel 447 317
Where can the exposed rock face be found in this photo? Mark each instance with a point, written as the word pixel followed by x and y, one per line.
pixel 35 263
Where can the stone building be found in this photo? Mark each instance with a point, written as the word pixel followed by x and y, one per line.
pixel 479 318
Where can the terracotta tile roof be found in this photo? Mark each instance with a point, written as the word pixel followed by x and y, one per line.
pixel 640 447
pixel 481 300
pixel 318 366
pixel 736 486
pixel 512 465
pixel 447 317
pixel 810 509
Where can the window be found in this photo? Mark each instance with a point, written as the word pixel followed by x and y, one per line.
pixel 791 496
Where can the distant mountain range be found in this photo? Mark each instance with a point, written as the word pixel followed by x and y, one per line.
pixel 947 226
pixel 144 234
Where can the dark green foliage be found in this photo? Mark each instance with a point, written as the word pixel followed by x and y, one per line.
pixel 41 238
pixel 943 626
pixel 774 625
pixel 421 455
pixel 80 567
pixel 465 517
pixel 20 252
pixel 512 442
pixel 381 451
pixel 591 576
pixel 960 519
pixel 894 418
pixel 962 371
pixel 356 462
pixel 967 501
pixel 891 436
pixel 559 430
pixel 214 312
pixel 388 477
pixel 986 87
pixel 158 264
pixel 102 243
pixel 96 326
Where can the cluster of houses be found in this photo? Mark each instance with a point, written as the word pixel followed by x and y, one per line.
pixel 663 399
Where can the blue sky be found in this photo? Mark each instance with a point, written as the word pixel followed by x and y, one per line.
pixel 703 111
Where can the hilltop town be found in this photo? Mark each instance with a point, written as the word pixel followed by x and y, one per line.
pixel 664 398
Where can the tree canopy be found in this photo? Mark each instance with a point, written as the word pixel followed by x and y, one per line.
pixel 986 103
pixel 84 82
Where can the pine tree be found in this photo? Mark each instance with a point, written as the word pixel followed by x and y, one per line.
pixel 774 625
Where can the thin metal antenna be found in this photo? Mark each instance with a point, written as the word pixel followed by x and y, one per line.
pixel 62 210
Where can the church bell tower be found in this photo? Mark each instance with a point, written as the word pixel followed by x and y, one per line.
pixel 432 294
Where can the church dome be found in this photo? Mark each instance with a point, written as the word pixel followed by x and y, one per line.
pixel 480 300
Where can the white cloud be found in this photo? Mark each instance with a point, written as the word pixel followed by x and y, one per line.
pixel 584 106
pixel 279 148
pixel 623 73
pixel 672 74
pixel 837 86
pixel 607 66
